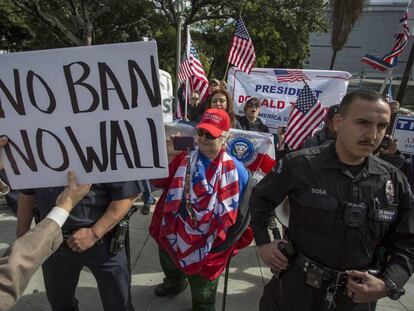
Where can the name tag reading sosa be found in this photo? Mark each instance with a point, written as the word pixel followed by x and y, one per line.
pixel 385 215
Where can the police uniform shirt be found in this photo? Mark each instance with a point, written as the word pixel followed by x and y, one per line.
pixel 319 187
pixel 90 208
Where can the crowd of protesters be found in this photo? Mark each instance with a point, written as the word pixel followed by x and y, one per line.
pixel 199 205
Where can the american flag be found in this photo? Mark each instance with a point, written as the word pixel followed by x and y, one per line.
pixel 306 115
pixel 191 69
pixel 283 75
pixel 242 54
pixel 389 60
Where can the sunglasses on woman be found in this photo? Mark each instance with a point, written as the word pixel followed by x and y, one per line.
pixel 253 105
pixel 202 133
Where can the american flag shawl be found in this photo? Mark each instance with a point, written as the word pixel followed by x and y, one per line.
pixel 284 75
pixel 389 60
pixel 214 194
pixel 242 54
pixel 306 115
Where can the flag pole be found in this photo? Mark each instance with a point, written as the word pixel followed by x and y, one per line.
pixel 227 69
pixel 384 84
pixel 187 82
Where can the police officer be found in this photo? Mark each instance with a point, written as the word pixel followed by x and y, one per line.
pixel 88 235
pixel 345 204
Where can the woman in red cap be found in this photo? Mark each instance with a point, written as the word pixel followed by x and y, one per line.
pixel 199 204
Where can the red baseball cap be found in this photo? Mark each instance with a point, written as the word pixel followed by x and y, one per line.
pixel 215 121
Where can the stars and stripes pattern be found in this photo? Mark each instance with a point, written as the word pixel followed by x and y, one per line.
pixel 390 59
pixel 185 71
pixel 192 71
pixel 306 115
pixel 284 75
pixel 242 54
pixel 214 195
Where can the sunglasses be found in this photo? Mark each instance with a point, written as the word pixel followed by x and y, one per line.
pixel 253 105
pixel 202 133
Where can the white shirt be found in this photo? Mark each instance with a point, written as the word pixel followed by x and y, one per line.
pixel 58 215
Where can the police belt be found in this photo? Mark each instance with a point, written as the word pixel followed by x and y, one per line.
pixel 307 264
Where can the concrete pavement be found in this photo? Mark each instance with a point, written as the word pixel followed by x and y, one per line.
pixel 247 278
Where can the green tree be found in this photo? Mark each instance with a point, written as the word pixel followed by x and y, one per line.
pixel 279 29
pixel 14 32
pixel 344 15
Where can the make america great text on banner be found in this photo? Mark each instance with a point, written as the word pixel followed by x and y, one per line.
pixel 96 110
pixel 278 90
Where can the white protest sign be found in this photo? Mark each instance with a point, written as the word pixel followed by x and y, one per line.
pixel 166 95
pixel 404 131
pixel 278 90
pixel 96 110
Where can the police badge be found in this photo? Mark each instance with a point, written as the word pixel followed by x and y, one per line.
pixel 389 192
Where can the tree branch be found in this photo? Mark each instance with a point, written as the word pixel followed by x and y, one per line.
pixel 169 14
pixel 33 7
pixel 78 18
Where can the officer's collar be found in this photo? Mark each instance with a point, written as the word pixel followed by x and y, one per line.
pixel 333 162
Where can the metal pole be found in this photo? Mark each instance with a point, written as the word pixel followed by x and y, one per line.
pixel 384 84
pixel 177 67
pixel 406 76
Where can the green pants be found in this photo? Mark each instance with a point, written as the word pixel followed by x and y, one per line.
pixel 203 292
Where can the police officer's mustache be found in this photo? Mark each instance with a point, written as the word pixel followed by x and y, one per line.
pixel 367 142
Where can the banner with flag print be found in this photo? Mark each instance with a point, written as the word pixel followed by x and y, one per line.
pixel 306 115
pixel 290 75
pixel 278 98
pixel 255 150
pixel 242 54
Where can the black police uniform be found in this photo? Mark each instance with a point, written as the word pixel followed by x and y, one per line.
pixel 339 216
pixel 61 271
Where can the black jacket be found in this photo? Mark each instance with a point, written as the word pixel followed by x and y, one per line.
pixel 257 126
pixel 320 190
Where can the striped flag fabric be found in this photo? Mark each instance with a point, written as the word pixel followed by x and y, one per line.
pixel 284 75
pixel 306 115
pixel 242 54
pixel 185 71
pixel 191 73
pixel 389 60
pixel 191 69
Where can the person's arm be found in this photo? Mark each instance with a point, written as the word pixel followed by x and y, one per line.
pixel 24 257
pixel 26 254
pixel 85 238
pixel 25 207
pixel 268 194
pixel 399 243
pixel 399 240
pixel 123 196
pixel 161 183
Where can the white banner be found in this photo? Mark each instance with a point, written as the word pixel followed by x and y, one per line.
pixel 278 90
pixel 166 95
pixel 96 110
pixel 404 131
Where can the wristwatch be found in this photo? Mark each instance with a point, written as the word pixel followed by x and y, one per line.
pixel 393 292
